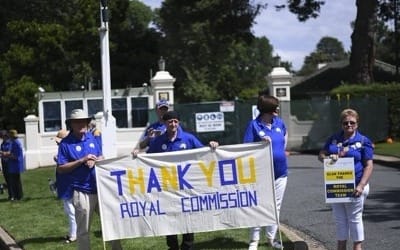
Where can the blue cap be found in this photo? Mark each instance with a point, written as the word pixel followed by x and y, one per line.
pixel 162 103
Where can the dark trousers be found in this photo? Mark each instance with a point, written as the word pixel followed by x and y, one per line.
pixel 15 186
pixel 6 175
pixel 187 242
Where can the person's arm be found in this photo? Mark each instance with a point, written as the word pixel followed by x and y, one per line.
pixel 322 155
pixel 150 134
pixel 367 156
pixel 248 134
pixel 286 139
pixel 89 160
pixel 5 154
pixel 64 165
pixel 144 143
pixel 15 151
pixel 369 166
pixel 324 152
pixel 286 134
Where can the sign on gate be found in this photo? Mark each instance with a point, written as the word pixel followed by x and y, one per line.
pixel 210 122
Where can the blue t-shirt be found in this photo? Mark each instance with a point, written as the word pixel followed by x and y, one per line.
pixel 16 163
pixel 256 130
pixel 82 178
pixel 359 147
pixel 5 147
pixel 182 141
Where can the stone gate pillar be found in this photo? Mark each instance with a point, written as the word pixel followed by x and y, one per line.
pixel 32 142
pixel 163 85
pixel 279 81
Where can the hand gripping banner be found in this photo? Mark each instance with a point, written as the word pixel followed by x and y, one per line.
pixel 186 191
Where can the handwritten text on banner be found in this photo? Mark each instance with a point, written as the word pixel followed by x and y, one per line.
pixel 178 192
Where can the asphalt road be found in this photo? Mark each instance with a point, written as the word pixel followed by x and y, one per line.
pixel 304 207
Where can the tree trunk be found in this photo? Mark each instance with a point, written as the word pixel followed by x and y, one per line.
pixel 363 38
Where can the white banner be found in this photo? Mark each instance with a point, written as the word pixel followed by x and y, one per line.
pixel 186 191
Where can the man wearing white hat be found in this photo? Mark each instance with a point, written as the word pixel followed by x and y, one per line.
pixel 77 156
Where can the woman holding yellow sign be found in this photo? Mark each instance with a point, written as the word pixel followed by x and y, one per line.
pixel 349 142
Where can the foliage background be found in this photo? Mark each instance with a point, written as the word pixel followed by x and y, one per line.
pixel 208 44
pixel 389 90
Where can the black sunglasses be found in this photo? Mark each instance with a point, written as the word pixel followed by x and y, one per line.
pixel 348 123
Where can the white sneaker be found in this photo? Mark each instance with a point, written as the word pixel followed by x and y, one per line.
pixel 276 244
pixel 70 239
pixel 253 245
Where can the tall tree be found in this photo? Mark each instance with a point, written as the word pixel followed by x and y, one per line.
pixel 207 46
pixel 134 46
pixel 328 49
pixel 55 44
pixel 363 37
pixel 386 44
pixel 362 56
pixel 388 47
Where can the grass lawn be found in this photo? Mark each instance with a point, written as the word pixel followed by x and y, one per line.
pixel 391 149
pixel 38 222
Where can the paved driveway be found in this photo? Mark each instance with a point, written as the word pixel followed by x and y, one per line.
pixel 304 206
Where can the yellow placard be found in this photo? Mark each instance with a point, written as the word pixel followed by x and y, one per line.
pixel 337 175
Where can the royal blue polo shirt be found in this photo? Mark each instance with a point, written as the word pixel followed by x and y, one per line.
pixel 16 163
pixel 82 178
pixel 182 141
pixel 256 130
pixel 156 126
pixel 359 147
pixel 5 147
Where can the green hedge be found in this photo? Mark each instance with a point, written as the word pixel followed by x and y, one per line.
pixel 389 90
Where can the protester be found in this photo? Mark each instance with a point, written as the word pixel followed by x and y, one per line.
pixel 5 149
pixel 268 127
pixel 96 132
pixel 77 156
pixel 15 164
pixel 156 128
pixel 62 186
pixel 175 139
pixel 349 142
